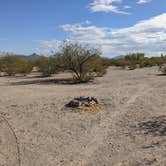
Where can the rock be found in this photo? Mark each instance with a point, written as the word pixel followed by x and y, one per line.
pixel 82 101
pixel 73 104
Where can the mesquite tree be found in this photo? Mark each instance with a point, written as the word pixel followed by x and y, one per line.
pixel 81 60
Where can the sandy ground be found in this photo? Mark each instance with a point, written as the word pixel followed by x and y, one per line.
pixel 36 129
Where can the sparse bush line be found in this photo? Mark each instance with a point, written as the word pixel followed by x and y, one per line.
pixel 83 61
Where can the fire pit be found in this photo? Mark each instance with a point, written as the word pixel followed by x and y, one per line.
pixel 84 103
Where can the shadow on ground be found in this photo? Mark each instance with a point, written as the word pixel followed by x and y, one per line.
pixel 45 81
pixel 161 75
pixel 155 126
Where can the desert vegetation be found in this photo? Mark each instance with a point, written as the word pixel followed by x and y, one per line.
pixel 46 65
pixel 83 83
pixel 138 60
pixel 12 64
pixel 163 68
pixel 83 61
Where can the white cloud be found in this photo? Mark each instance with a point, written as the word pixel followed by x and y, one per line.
pixel 112 6
pixel 147 36
pixel 126 7
pixel 106 6
pixel 46 46
pixel 143 1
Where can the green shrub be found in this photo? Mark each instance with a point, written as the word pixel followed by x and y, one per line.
pixel 12 64
pixel 1 66
pixel 83 61
pixel 47 65
pixel 134 60
pixel 135 56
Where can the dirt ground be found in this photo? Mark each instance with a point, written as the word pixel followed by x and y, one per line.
pixel 130 130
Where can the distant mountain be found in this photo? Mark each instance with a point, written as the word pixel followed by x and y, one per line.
pixel 30 57
pixel 33 56
pixel 119 57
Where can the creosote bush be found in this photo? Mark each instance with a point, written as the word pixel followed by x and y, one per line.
pixel 12 64
pixel 47 65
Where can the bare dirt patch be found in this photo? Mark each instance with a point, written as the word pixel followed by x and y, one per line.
pixel 130 131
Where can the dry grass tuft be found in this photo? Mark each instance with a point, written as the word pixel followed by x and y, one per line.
pixel 90 108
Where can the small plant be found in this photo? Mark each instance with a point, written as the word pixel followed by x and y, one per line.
pixel 162 68
pixel 132 66
pixel 1 66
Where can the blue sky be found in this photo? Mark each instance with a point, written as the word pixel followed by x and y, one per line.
pixel 115 26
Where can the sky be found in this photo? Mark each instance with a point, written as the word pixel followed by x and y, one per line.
pixel 117 27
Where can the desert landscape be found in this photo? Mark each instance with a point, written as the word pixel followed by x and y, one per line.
pixel 128 130
pixel 83 83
